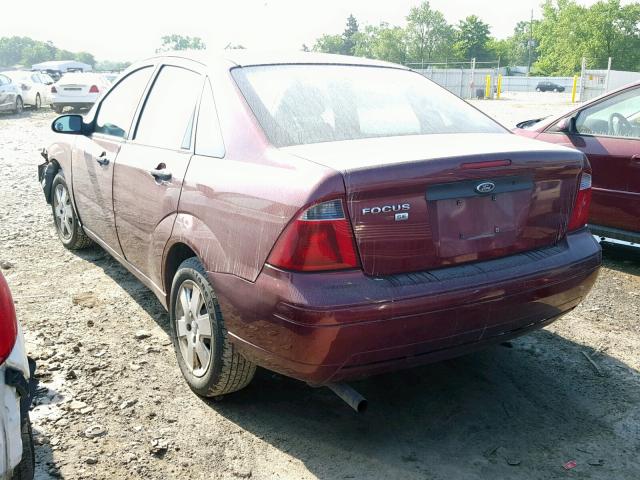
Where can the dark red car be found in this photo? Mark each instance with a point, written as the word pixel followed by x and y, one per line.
pixel 607 130
pixel 325 217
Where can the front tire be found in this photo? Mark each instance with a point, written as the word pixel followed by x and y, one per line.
pixel 26 468
pixel 65 219
pixel 209 362
pixel 19 106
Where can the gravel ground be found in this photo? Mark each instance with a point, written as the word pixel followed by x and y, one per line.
pixel 112 404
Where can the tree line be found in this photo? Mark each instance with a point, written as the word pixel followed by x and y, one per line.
pixel 554 44
pixel 25 51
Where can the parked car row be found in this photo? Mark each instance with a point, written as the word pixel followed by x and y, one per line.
pixel 19 89
pixel 294 213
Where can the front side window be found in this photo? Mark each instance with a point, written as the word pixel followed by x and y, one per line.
pixel 167 117
pixel 3 80
pixel 618 116
pixel 301 104
pixel 208 137
pixel 118 108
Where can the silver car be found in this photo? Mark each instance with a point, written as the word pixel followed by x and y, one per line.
pixel 10 95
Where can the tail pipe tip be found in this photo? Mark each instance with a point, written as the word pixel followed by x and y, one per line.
pixel 349 395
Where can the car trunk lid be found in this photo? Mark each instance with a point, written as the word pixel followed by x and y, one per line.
pixel 423 202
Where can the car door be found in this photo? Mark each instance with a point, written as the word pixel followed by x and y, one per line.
pixel 150 170
pixel 608 132
pixel 94 156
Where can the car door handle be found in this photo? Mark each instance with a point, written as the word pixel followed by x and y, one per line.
pixel 102 159
pixel 161 174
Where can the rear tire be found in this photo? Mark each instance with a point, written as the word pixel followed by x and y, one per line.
pixel 209 362
pixel 65 219
pixel 57 108
pixel 26 468
pixel 38 102
pixel 538 90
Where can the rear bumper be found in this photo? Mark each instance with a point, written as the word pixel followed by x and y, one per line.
pixel 324 327
pixel 606 233
pixel 70 103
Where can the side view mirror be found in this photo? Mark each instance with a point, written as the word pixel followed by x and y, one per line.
pixel 71 124
pixel 566 125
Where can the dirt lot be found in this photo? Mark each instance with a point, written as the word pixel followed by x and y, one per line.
pixel 112 403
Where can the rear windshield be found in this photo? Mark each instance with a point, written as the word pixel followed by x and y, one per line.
pixel 301 104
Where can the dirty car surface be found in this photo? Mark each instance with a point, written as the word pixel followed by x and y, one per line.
pixel 294 213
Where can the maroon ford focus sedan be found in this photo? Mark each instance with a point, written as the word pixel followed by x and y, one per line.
pixel 607 131
pixel 321 216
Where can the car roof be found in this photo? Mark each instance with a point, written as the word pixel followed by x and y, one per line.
pixel 244 58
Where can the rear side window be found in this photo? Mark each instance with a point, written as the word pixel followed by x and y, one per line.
pixel 208 137
pixel 3 80
pixel 300 104
pixel 117 109
pixel 167 117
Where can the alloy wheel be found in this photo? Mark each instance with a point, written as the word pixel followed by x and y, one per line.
pixel 193 328
pixel 63 212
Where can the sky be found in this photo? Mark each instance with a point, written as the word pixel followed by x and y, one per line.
pixel 131 29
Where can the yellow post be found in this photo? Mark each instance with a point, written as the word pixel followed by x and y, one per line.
pixel 574 89
pixel 487 88
pixel 499 88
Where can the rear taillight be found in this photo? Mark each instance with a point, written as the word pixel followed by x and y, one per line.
pixel 580 214
pixel 94 89
pixel 8 323
pixel 53 89
pixel 319 239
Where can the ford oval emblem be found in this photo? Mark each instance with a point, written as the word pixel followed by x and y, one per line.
pixel 485 187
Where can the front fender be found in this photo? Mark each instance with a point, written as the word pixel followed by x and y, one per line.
pixel 57 157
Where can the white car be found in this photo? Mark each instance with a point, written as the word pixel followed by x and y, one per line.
pixel 35 91
pixel 10 95
pixel 77 90
pixel 17 460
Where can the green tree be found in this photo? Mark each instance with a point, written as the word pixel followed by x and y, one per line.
pixel 110 66
pixel 614 31
pixel 382 42
pixel 471 39
pixel 329 44
pixel 180 42
pixel 86 57
pixel 348 40
pixel 428 34
pixel 562 37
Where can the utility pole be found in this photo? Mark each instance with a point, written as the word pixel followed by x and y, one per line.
pixel 529 44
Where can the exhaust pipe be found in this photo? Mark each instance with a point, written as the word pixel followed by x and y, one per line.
pixel 349 395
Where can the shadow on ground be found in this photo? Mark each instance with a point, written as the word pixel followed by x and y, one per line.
pixel 519 412
pixel 130 284
pixel 516 411
pixel 621 258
